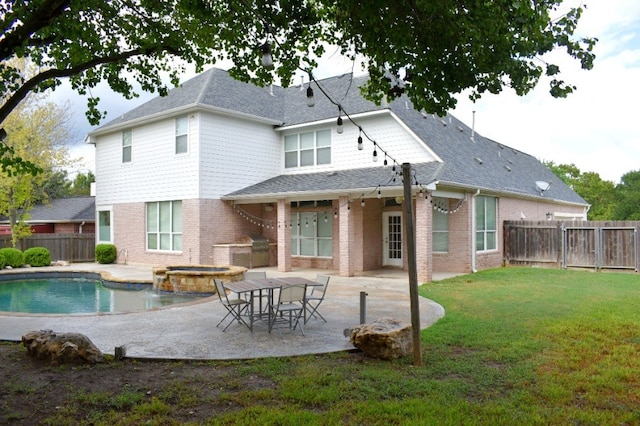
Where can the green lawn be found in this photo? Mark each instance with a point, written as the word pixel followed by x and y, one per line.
pixel 516 346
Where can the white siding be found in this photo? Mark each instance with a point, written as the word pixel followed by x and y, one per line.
pixel 155 171
pixel 384 129
pixel 236 153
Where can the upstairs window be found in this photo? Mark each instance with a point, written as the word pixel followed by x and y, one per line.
pixel 307 149
pixel 126 146
pixel 182 141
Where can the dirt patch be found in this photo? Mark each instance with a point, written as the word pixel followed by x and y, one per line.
pixel 33 392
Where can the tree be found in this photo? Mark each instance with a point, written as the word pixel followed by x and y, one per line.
pixel 37 132
pixel 628 196
pixel 82 184
pixel 430 50
pixel 600 194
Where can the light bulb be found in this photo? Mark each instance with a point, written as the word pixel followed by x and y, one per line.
pixel 375 155
pixel 339 129
pixel 379 194
pixel 310 100
pixel 267 59
pixel 362 203
pixel 360 146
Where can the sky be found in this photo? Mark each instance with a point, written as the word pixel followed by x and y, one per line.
pixel 594 128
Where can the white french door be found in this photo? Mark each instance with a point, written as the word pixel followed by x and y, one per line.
pixel 392 239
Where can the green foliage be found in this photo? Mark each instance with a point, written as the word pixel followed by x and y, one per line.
pixel 105 253
pixel 600 194
pixel 3 261
pixel 628 197
pixel 430 50
pixel 82 184
pixel 12 256
pixel 37 256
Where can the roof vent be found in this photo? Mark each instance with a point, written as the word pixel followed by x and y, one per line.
pixel 460 129
pixel 507 168
pixel 478 160
pixel 444 123
pixel 332 173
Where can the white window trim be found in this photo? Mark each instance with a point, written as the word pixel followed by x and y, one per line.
pixel 315 149
pixel 98 211
pixel 486 231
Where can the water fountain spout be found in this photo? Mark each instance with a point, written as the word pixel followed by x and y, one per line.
pixel 126 252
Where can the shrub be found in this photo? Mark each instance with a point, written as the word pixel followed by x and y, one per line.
pixel 12 257
pixel 105 253
pixel 37 256
pixel 3 262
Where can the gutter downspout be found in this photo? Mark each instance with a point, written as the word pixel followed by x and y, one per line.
pixel 80 227
pixel 473 231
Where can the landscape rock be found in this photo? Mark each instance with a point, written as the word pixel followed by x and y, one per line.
pixel 385 338
pixel 61 348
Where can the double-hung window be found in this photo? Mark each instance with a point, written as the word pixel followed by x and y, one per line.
pixel 486 223
pixel 126 146
pixel 307 149
pixel 311 234
pixel 164 225
pixel 440 230
pixel 182 139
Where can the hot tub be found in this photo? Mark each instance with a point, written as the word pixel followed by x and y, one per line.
pixel 197 279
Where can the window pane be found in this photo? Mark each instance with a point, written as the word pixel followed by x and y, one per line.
pixel 307 247
pixel 324 247
pixel 126 154
pixel 126 138
pixel 324 156
pixel 177 242
pixel 291 159
pixel 323 138
pixel 181 126
pixel 306 141
pixel 291 143
pixel 307 227
pixel 294 224
pixel 152 217
pixel 491 240
pixel 479 241
pixel 306 158
pixel 181 144
pixel 441 242
pixel 176 216
pixel 152 241
pixel 165 216
pixel 440 221
pixel 325 228
pixel 480 213
pixel 165 242
pixel 491 215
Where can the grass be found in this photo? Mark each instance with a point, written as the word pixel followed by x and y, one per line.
pixel 516 346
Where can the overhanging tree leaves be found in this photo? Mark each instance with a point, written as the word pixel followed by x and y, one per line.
pixel 429 49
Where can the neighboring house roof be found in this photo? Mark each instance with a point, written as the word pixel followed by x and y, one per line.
pixel 64 210
pixel 469 163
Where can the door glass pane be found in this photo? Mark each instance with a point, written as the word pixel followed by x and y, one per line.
pixel 395 237
pixel 104 225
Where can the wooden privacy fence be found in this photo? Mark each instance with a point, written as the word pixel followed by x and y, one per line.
pixel 67 247
pixel 573 244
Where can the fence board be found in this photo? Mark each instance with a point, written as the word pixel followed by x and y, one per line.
pixel 67 247
pixel 579 244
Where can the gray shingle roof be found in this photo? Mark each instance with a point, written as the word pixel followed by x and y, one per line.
pixel 73 209
pixel 472 164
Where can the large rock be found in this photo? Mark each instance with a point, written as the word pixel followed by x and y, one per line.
pixel 385 338
pixel 61 348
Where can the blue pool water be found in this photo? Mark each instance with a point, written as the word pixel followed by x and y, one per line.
pixel 79 296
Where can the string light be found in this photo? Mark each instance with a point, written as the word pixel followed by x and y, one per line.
pixel 339 128
pixel 310 99
pixel 360 145
pixel 375 153
pixel 267 59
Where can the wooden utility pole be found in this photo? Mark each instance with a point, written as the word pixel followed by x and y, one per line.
pixel 410 237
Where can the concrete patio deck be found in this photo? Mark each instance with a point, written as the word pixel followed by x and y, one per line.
pixel 189 331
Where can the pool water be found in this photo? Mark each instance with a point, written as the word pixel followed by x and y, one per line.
pixel 79 296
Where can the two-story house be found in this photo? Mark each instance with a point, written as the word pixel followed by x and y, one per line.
pixel 194 177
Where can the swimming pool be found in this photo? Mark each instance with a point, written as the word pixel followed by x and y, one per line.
pixel 80 294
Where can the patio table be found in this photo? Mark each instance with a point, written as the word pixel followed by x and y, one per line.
pixel 253 286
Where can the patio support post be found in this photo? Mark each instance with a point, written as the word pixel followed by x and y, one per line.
pixel 346 238
pixel 284 236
